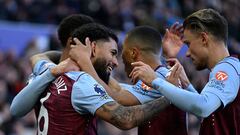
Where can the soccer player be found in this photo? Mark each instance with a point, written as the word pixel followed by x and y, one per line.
pixel 72 101
pixel 206 34
pixel 65 29
pixel 143 43
pixel 172 120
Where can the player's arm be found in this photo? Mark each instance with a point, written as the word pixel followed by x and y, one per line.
pixel 211 98
pixel 122 95
pixel 25 100
pixel 132 116
pixel 90 97
pixel 50 56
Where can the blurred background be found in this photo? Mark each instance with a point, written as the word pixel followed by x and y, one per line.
pixel 28 27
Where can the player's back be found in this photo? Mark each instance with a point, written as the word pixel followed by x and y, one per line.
pixel 171 121
pixel 56 115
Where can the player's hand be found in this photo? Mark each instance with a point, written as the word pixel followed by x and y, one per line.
pixel 143 72
pixel 173 75
pixel 64 66
pixel 172 40
pixel 80 52
pixel 177 73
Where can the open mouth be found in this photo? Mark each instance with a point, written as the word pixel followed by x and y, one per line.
pixel 109 68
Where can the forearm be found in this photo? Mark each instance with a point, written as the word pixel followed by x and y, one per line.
pixel 129 117
pixel 198 104
pixel 25 100
pixel 54 56
pixel 51 56
pixel 114 85
pixel 121 94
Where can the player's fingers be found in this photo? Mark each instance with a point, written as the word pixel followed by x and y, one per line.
pixel 173 27
pixel 87 41
pixel 77 41
pixel 174 70
pixel 72 46
pixel 178 71
pixel 138 63
pixel 179 27
pixel 135 77
pixel 135 69
pixel 171 62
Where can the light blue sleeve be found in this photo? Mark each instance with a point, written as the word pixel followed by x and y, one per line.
pixel 25 100
pixel 191 88
pixel 223 82
pixel 144 93
pixel 88 95
pixel 42 66
pixel 199 104
pixel 221 89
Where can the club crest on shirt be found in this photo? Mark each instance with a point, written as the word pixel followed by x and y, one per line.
pixel 100 91
pixel 221 76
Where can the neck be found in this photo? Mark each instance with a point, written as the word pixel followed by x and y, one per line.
pixel 217 53
pixel 152 60
pixel 65 54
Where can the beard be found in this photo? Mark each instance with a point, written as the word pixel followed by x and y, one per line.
pixel 100 66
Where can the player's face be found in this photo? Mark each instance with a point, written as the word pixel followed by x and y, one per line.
pixel 196 49
pixel 106 58
pixel 127 59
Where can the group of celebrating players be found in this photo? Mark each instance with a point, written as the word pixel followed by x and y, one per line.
pixel 70 90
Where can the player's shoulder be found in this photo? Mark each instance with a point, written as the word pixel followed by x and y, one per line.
pixel 230 63
pixel 79 76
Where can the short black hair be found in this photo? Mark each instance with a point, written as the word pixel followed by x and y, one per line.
pixel 208 20
pixel 69 24
pixel 95 32
pixel 146 37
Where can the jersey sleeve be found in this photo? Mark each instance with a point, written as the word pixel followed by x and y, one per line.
pixel 223 82
pixel 143 92
pixel 39 68
pixel 42 66
pixel 88 95
pixel 25 100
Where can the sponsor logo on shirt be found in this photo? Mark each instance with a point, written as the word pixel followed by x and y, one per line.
pixel 218 84
pixel 100 91
pixel 221 76
pixel 145 87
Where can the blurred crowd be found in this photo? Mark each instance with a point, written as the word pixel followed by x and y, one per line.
pixel 120 15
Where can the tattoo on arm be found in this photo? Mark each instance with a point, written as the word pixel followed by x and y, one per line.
pixel 129 117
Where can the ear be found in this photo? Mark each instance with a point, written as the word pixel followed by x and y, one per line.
pixel 93 45
pixel 205 38
pixel 69 41
pixel 135 53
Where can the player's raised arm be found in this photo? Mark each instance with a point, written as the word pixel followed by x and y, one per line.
pixel 50 56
